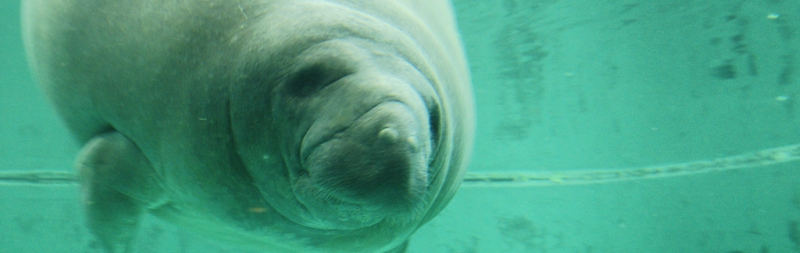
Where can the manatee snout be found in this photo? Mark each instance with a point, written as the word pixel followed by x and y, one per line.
pixel 375 168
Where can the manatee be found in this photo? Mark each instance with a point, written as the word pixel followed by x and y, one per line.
pixel 283 126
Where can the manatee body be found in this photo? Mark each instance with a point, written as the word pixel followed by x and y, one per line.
pixel 286 126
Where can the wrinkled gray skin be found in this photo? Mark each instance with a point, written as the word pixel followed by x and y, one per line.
pixel 286 126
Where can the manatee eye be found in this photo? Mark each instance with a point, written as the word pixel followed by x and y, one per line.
pixel 311 79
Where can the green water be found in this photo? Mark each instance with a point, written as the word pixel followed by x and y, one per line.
pixel 559 85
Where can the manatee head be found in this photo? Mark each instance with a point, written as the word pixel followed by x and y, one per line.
pixel 337 129
pixel 361 134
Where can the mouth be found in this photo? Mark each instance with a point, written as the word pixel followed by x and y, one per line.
pixel 374 168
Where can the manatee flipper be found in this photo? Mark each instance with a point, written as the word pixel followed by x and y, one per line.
pixel 118 183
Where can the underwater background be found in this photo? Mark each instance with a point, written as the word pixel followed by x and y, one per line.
pixel 560 85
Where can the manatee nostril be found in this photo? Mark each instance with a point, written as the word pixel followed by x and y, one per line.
pixel 311 79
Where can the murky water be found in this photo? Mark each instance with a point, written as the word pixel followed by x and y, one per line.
pixel 560 85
